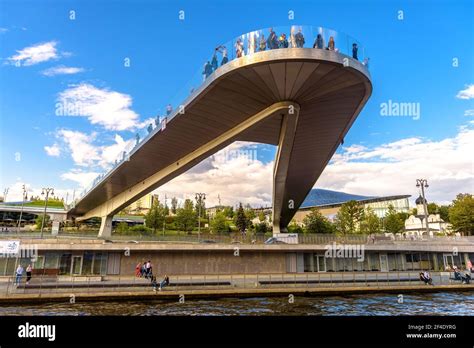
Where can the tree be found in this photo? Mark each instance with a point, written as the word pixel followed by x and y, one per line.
pixel 249 212
pixel 186 218
pixel 261 216
pixel 348 218
pixel 122 228
pixel 202 204
pixel 39 220
pixel 229 212
pixel 315 222
pixel 393 221
pixel 219 223
pixel 432 208
pixel 461 214
pixel 174 205
pixel 444 212
pixel 241 219
pixel 155 217
pixel 370 222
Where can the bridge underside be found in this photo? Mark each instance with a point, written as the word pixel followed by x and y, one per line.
pixel 302 100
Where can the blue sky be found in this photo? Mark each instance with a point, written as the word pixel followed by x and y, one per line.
pixel 411 60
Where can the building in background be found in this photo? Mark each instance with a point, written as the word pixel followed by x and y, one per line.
pixel 142 205
pixel 329 202
pixel 415 225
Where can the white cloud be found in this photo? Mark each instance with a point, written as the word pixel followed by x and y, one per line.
pixel 467 93
pixel 80 177
pixel 35 54
pixel 233 174
pixel 84 152
pixel 80 145
pixel 61 70
pixel 469 112
pixel 3 30
pixel 393 168
pixel 112 152
pixel 104 107
pixel 53 151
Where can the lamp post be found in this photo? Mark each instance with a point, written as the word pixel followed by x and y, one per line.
pixel 46 191
pixel 5 193
pixel 24 197
pixel 423 183
pixel 200 197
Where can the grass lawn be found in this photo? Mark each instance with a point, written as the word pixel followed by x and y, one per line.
pixel 51 204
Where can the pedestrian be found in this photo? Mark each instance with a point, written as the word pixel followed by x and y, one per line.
pixel 164 282
pixel 331 44
pixel 223 50
pixel 239 48
pixel 19 274
pixel 148 270
pixel 214 61
pixel 138 269
pixel 28 274
pixel 282 41
pixel 263 43
pixel 169 109
pixel 272 41
pixel 354 51
pixel 207 70
pixel 299 39
pixel 143 269
pixel 319 42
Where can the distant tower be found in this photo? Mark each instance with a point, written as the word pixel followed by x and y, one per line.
pixel 420 207
pixel 219 199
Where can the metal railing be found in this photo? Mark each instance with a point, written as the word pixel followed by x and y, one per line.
pixel 46 284
pixel 248 238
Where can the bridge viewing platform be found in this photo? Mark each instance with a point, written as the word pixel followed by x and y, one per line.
pixel 300 93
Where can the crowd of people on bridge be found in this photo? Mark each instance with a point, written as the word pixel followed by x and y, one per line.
pixel 273 41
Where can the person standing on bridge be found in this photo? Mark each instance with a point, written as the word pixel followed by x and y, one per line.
pixel 214 61
pixel 319 42
pixel 207 70
pixel 282 41
pixel 272 41
pixel 263 43
pixel 169 109
pixel 299 39
pixel 239 48
pixel 331 44
pixel 354 51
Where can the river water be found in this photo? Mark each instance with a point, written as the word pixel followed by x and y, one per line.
pixel 447 303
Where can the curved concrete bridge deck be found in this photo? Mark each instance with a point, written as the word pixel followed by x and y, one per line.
pixel 303 100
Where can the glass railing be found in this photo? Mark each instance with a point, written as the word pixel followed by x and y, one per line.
pixel 284 37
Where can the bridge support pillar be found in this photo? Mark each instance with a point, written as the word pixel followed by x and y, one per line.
pixel 280 170
pixel 105 227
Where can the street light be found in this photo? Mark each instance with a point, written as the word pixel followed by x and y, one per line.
pixel 24 198
pixel 46 191
pixel 423 183
pixel 200 197
pixel 5 193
